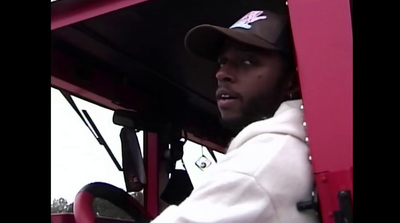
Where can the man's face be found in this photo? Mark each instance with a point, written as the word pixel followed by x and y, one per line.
pixel 251 84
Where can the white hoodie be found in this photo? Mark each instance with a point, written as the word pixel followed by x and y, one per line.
pixel 264 174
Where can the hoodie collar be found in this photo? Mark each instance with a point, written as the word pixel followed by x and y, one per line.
pixel 287 120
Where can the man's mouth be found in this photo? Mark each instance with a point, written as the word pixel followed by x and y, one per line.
pixel 225 94
pixel 225 97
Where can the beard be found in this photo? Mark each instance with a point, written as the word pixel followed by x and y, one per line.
pixel 261 107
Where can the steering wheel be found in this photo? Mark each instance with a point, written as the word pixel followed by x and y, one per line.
pixel 83 211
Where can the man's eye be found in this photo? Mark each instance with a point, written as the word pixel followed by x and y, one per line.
pixel 247 62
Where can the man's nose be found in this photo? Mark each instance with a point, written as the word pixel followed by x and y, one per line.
pixel 223 76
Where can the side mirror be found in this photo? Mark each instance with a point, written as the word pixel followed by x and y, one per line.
pixel 132 160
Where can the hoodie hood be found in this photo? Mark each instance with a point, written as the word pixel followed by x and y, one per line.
pixel 287 120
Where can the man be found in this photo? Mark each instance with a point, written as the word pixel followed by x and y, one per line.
pixel 266 171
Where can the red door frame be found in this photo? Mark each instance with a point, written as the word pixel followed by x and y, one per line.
pixel 322 32
pixel 67 12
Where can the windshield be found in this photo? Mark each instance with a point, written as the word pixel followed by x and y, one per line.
pixel 78 159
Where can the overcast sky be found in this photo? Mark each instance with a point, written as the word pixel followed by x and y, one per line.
pixel 78 159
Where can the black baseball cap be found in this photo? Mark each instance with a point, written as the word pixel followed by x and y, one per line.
pixel 262 29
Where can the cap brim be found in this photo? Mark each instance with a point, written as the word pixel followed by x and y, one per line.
pixel 206 40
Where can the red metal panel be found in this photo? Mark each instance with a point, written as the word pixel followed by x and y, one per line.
pixel 323 40
pixel 329 185
pixel 68 12
pixel 151 144
pixel 75 90
pixel 62 218
pixel 101 89
pixel 322 32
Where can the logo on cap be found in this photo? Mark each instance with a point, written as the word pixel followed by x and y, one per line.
pixel 250 17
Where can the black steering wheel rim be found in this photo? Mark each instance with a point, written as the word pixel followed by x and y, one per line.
pixel 84 213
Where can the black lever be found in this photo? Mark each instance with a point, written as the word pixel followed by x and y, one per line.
pixel 345 212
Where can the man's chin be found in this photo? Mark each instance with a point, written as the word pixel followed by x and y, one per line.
pixel 233 124
pixel 238 123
